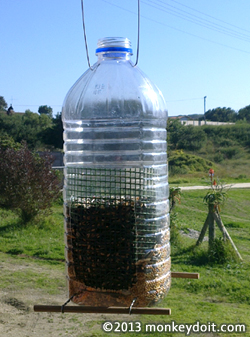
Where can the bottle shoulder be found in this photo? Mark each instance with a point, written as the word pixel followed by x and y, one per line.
pixel 114 89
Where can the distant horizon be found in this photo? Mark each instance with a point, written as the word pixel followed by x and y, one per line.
pixel 54 114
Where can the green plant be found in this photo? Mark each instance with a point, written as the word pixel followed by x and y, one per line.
pixel 218 157
pixel 174 196
pixel 216 195
pixel 28 184
pixel 7 141
pixel 174 230
pixel 221 252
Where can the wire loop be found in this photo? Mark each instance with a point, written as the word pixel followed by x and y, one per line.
pixel 131 305
pixel 85 37
pixel 62 306
pixel 138 35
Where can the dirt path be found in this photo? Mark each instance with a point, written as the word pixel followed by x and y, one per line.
pixel 239 185
pixel 17 318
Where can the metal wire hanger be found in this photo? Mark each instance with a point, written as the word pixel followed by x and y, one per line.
pixel 85 38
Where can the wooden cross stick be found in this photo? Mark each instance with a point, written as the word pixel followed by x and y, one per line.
pixel 185 275
pixel 103 310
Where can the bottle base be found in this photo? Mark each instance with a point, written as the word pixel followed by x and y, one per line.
pixel 146 293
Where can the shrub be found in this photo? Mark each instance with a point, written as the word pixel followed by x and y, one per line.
pixel 28 184
pixel 231 151
pixel 174 197
pixel 221 252
pixel 174 230
pixel 189 137
pixel 218 157
pixel 7 141
pixel 192 138
pixel 182 162
pixel 237 134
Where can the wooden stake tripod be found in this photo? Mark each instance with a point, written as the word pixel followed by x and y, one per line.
pixel 212 217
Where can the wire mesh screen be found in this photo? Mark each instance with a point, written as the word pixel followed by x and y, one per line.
pixel 116 227
pixel 104 183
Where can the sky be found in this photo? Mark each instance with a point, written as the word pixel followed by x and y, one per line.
pixel 189 48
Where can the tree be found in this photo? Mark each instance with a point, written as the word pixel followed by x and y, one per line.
pixel 189 137
pixel 28 111
pixel 221 115
pixel 44 109
pixel 192 138
pixel 174 131
pixel 53 136
pixel 31 126
pixel 3 104
pixel 244 114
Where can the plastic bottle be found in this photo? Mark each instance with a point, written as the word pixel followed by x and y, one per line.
pixel 116 183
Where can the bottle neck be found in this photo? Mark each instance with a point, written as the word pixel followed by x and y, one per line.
pixel 110 48
pixel 113 55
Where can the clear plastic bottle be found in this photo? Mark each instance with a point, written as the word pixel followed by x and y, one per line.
pixel 116 183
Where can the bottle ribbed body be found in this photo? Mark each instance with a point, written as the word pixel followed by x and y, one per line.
pixel 116 184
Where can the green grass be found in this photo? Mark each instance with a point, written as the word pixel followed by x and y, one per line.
pixel 221 295
pixel 41 239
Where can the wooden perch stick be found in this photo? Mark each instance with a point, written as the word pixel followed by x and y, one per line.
pixel 185 275
pixel 102 310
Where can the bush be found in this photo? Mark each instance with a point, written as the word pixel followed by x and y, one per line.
pixel 174 230
pixel 237 134
pixel 181 163
pixel 174 197
pixel 190 138
pixel 221 252
pixel 218 157
pixel 7 141
pixel 231 151
pixel 28 184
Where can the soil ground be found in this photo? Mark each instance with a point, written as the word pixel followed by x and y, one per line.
pixel 17 317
